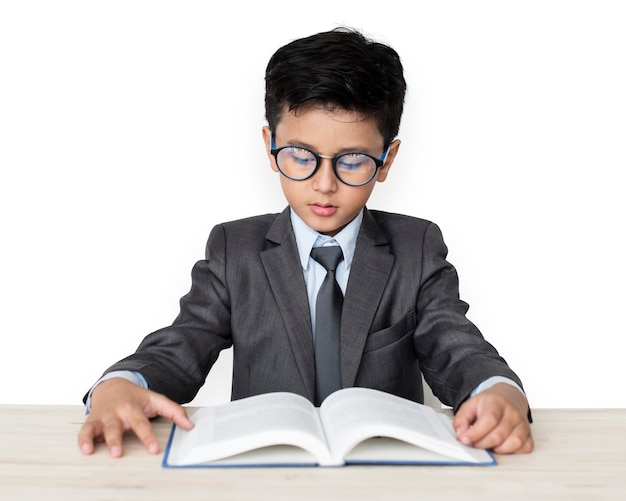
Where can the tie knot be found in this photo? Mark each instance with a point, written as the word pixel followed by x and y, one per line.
pixel 328 257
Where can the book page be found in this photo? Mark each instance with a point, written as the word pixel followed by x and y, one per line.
pixel 353 415
pixel 252 423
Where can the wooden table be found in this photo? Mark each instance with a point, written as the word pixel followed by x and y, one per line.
pixel 579 454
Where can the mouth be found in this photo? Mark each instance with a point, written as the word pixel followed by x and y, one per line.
pixel 323 210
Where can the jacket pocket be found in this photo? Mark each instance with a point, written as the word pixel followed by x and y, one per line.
pixel 392 334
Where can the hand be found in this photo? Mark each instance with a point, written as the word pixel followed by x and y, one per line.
pixel 117 405
pixel 495 419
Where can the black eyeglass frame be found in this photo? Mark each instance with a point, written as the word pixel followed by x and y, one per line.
pixel 379 162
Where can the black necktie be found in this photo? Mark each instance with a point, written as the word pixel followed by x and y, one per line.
pixel 327 324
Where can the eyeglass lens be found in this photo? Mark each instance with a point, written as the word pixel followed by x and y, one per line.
pixel 352 168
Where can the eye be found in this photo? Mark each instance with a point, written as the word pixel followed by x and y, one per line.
pixel 296 162
pixel 301 156
pixel 354 161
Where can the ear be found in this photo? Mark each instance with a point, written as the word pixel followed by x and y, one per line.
pixel 383 171
pixel 267 138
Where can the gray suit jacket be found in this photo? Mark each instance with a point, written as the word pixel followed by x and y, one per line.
pixel 402 316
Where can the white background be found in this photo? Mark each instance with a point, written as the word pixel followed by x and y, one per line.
pixel 128 129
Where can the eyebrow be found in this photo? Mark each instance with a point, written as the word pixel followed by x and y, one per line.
pixel 355 149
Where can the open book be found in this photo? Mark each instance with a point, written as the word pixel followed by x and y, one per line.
pixel 353 426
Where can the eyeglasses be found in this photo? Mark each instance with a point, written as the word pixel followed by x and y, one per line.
pixel 352 168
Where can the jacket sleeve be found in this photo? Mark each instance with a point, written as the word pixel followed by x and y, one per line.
pixel 176 360
pixel 454 356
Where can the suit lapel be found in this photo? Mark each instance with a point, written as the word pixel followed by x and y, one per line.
pixel 284 273
pixel 371 267
pixel 369 274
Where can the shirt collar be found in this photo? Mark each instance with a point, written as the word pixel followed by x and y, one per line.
pixel 307 238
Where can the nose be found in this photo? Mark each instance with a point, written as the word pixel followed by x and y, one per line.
pixel 325 180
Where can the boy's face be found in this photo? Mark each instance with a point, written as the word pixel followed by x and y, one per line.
pixel 322 201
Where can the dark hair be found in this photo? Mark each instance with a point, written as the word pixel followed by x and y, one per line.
pixel 337 68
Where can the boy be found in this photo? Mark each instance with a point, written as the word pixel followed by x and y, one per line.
pixel 333 104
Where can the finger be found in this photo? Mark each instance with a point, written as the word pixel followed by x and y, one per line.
pixel 487 425
pixel 519 441
pixel 113 431
pixel 464 419
pixel 484 426
pixel 490 435
pixel 466 414
pixel 169 409
pixel 87 436
pixel 510 433
pixel 140 425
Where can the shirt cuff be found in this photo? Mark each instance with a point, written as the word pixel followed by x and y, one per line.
pixel 488 383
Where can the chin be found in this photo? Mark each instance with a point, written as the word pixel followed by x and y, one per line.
pixel 330 231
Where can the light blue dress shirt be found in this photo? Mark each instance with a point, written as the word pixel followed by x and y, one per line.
pixel 314 273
